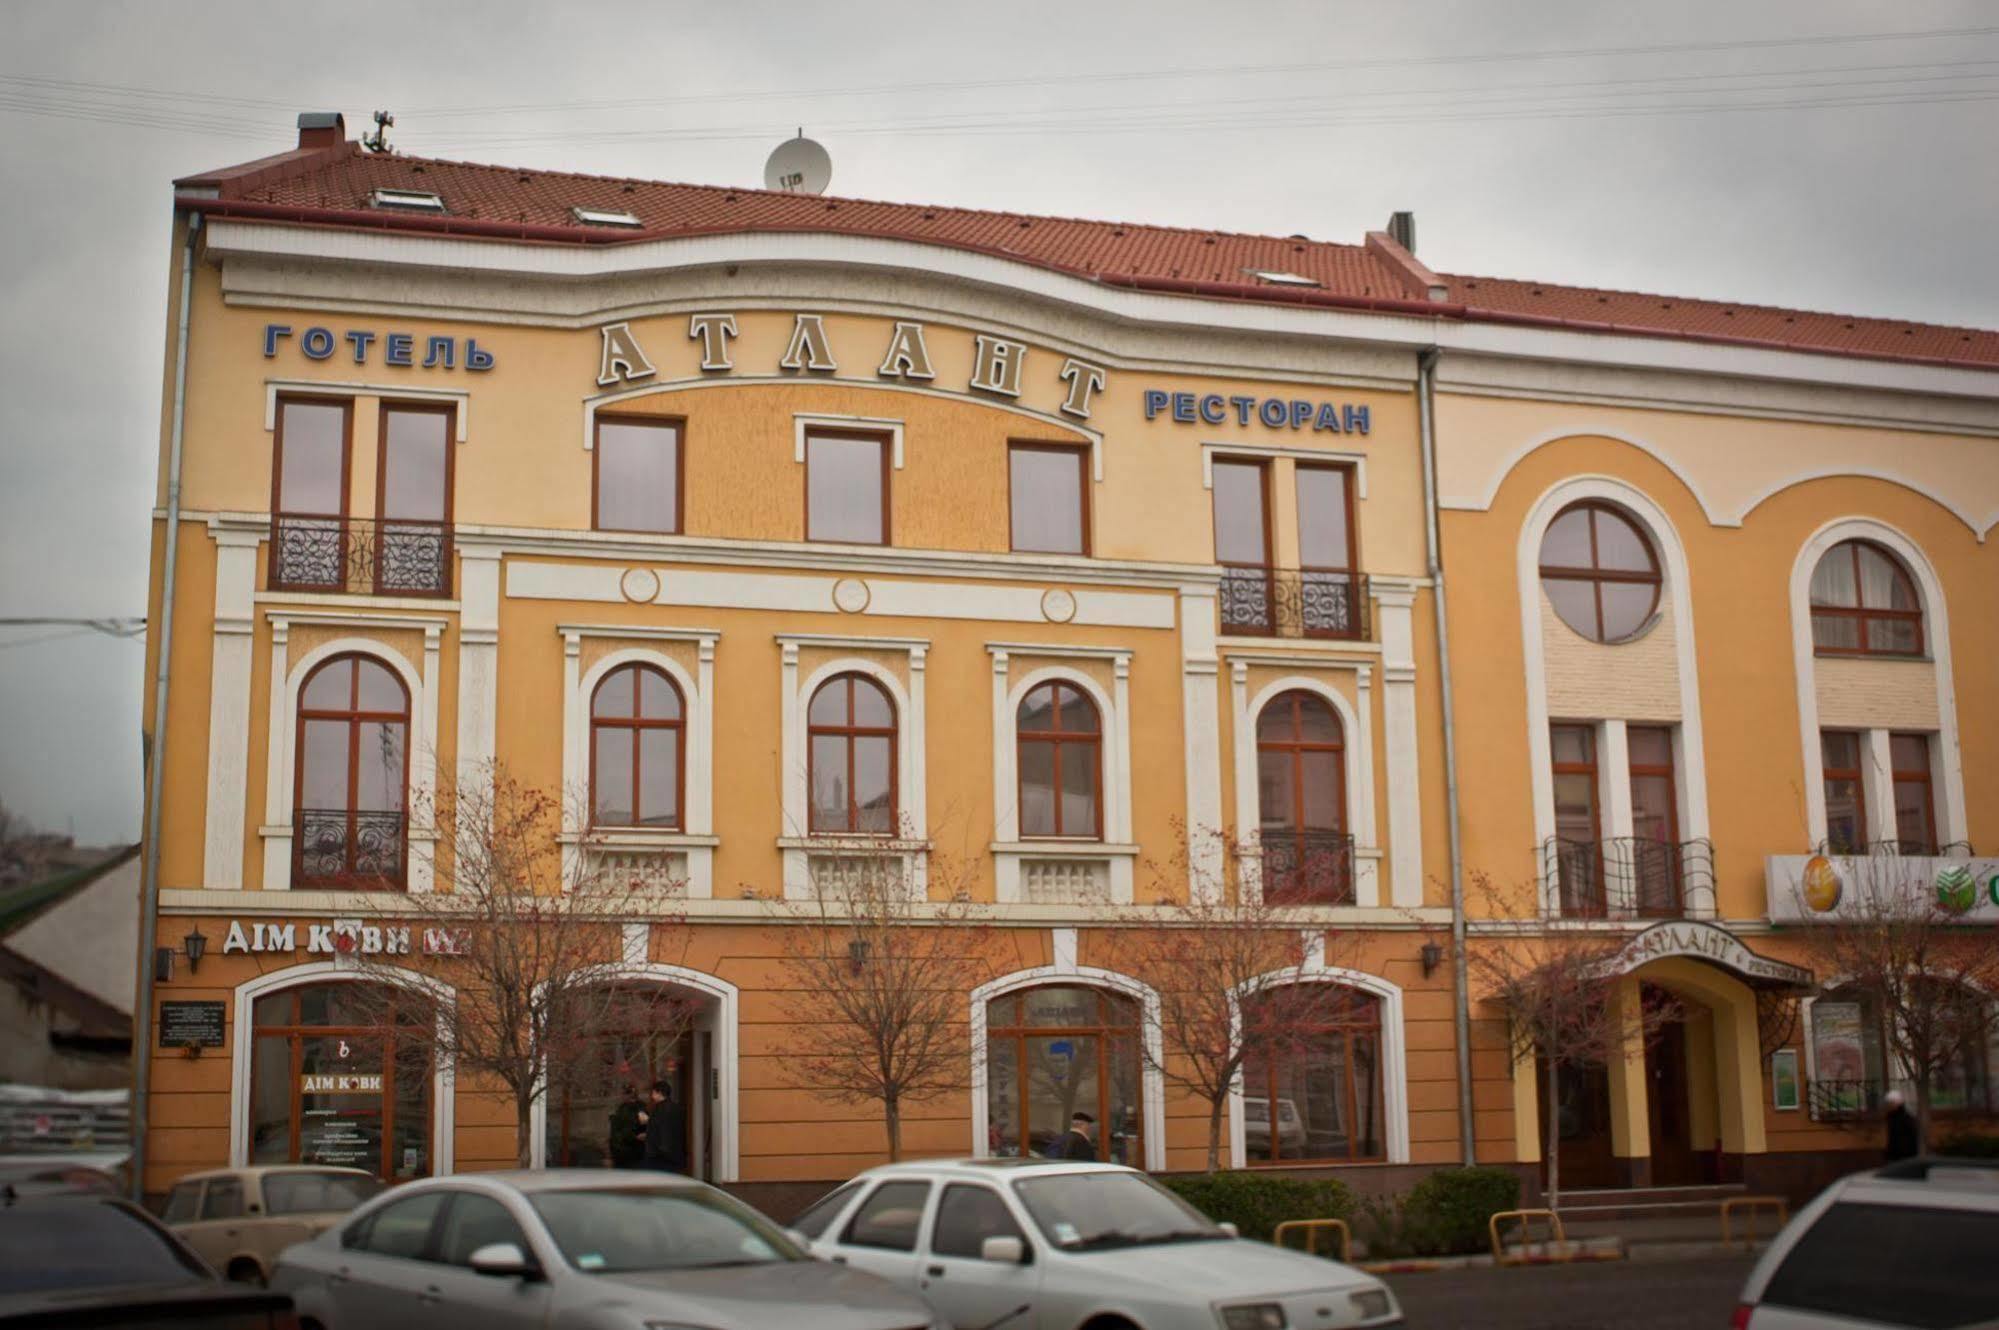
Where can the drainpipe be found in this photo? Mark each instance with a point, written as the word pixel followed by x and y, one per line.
pixel 1426 385
pixel 149 882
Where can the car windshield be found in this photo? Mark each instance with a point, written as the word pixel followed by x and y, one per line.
pixel 610 1231
pixel 87 1244
pixel 1094 1211
pixel 309 1193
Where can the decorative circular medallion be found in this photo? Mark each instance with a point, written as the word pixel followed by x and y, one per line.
pixel 1822 885
pixel 639 585
pixel 850 595
pixel 1058 605
pixel 1957 889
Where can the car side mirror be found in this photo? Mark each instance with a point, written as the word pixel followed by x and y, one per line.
pixel 1229 1229
pixel 1005 1251
pixel 503 1259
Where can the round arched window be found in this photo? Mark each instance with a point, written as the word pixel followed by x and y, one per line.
pixel 1599 572
pixel 635 749
pixel 1864 603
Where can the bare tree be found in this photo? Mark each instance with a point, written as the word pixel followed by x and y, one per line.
pixel 1229 973
pixel 1894 937
pixel 878 974
pixel 1559 992
pixel 530 933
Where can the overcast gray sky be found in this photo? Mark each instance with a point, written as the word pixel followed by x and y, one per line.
pixel 1568 141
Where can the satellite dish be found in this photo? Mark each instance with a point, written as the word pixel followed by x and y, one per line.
pixel 798 166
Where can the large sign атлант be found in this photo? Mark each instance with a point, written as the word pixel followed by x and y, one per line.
pixel 1699 941
pixel 1829 888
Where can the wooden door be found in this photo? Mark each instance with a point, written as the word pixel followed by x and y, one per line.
pixel 1673 1162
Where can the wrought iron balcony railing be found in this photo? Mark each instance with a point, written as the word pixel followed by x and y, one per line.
pixel 354 554
pixel 1629 877
pixel 1860 1100
pixel 1906 849
pixel 1292 602
pixel 339 847
pixel 1307 867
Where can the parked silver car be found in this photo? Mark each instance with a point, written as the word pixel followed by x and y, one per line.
pixel 1025 1244
pixel 575 1249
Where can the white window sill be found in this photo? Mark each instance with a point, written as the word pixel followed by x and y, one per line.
pixel 1064 849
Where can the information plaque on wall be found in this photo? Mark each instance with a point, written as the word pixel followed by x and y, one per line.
pixel 191 1024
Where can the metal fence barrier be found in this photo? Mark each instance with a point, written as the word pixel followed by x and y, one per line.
pixel 1312 1228
pixel 1749 1207
pixel 1559 1239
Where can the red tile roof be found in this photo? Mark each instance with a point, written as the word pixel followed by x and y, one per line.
pixel 334 186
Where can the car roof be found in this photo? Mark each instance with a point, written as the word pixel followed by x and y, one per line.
pixel 563 1179
pixel 1955 1184
pixel 1021 1166
pixel 266 1170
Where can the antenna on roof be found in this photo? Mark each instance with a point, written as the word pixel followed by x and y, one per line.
pixel 379 140
pixel 798 166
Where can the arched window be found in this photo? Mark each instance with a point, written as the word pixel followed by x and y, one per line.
pixel 1864 603
pixel 1599 572
pixel 639 1033
pixel 636 753
pixel 1056 1051
pixel 353 776
pixel 850 734
pixel 340 1074
pixel 1060 738
pixel 1312 1075
pixel 1301 788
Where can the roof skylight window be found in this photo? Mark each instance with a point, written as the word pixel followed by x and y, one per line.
pixel 409 200
pixel 1277 277
pixel 603 217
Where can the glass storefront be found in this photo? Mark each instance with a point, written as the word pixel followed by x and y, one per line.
pixel 645 1036
pixel 340 1075
pixel 1319 1097
pixel 1053 1052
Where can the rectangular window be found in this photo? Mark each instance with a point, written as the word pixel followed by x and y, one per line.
pixel 1655 821
pixel 1915 812
pixel 1325 517
pixel 309 539
pixel 1845 792
pixel 1049 489
pixel 638 475
pixel 1242 546
pixel 846 488
pixel 1579 854
pixel 412 545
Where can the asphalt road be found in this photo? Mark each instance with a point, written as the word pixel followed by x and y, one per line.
pixel 1607 1295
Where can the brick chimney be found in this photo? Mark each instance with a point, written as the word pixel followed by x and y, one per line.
pixel 321 129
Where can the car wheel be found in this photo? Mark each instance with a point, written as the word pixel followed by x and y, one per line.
pixel 247 1272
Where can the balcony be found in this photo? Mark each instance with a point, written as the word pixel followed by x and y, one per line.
pixel 336 847
pixel 1291 602
pixel 1628 877
pixel 360 556
pixel 1882 881
pixel 1307 867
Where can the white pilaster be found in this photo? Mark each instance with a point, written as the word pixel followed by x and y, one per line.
pixel 575 755
pixel 1613 767
pixel 1877 774
pixel 1201 708
pixel 792 714
pixel 277 799
pixel 478 661
pixel 229 708
pixel 1367 835
pixel 1398 708
pixel 701 799
pixel 1006 777
pixel 423 768
pixel 1118 788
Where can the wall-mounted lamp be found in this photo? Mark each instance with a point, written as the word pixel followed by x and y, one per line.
pixel 194 946
pixel 1433 956
pixel 857 954
pixel 163 964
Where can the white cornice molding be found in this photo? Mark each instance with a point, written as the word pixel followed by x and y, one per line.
pixel 494 258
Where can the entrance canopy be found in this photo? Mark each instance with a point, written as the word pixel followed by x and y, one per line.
pixel 1712 945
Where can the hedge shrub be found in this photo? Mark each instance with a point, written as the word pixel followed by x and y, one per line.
pixel 1256 1203
pixel 1452 1207
pixel 1972 1145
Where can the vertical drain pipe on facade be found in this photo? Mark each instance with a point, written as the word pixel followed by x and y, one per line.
pixel 1426 371
pixel 149 882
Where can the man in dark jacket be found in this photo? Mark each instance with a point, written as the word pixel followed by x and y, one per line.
pixel 666 1131
pixel 1076 1143
pixel 627 1130
pixel 1905 1141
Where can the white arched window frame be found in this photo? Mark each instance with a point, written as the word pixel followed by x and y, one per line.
pixel 696 840
pixel 1357 745
pixel 1394 1048
pixel 1152 1082
pixel 420 799
pixel 1690 757
pixel 1892 1065
pixel 1116 851
pixel 1947 761
pixel 443 1100
pixel 797 841
pixel 719 1115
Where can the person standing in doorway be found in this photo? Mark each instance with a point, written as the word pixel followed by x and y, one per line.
pixel 627 1130
pixel 1077 1143
pixel 666 1131
pixel 1905 1139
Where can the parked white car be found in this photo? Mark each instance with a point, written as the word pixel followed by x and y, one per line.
pixel 1028 1244
pixel 1907 1245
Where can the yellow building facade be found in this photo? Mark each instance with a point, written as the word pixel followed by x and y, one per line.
pixel 761 540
